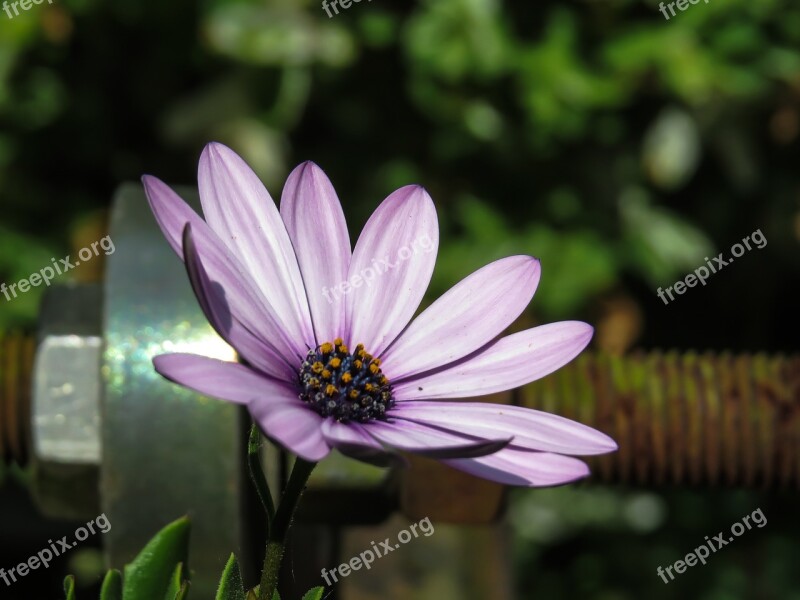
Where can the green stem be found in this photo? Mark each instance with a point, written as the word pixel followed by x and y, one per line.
pixel 257 474
pixel 276 544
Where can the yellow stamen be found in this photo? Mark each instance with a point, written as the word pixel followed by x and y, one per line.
pixel 335 363
pixel 317 367
pixel 326 348
pixel 326 374
pixel 331 389
pixel 347 378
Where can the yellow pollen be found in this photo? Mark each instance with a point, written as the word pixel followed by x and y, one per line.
pixel 347 378
pixel 343 349
pixel 377 361
pixel 326 374
pixel 361 353
pixel 358 364
pixel 317 367
pixel 353 394
pixel 326 348
pixel 335 363
pixel 359 348
pixel 338 341
pixel 369 387
pixel 383 380
pixel 331 389
pixel 373 368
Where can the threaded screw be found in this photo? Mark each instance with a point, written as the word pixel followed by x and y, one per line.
pixel 16 367
pixel 698 419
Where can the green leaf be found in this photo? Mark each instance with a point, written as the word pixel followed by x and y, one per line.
pixel 175 583
pixel 183 593
pixel 112 586
pixel 315 594
pixel 152 571
pixel 69 587
pixel 231 586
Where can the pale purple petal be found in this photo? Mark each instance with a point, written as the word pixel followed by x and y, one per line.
pixel 213 301
pixel 219 379
pixel 318 231
pixel 512 466
pixel 531 429
pixel 292 425
pixel 467 317
pixel 246 304
pixel 394 257
pixel 351 440
pixel 429 441
pixel 508 363
pixel 239 209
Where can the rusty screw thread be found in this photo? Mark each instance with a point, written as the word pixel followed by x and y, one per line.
pixel 16 366
pixel 684 418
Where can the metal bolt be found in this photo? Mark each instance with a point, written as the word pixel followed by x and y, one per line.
pixel 684 418
pixel 16 365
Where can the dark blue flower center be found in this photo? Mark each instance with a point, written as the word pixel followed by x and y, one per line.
pixel 343 385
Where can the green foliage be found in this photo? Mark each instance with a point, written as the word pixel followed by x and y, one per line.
pixel 112 586
pixel 315 594
pixel 69 587
pixel 157 571
pixel 231 586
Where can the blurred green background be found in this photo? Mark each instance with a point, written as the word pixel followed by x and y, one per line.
pixel 618 147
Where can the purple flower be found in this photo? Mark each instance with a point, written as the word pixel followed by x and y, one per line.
pixel 309 317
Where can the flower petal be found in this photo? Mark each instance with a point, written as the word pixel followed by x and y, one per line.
pixel 217 310
pixel 219 379
pixel 239 209
pixel 523 468
pixel 318 231
pixel 394 256
pixel 505 364
pixel 468 316
pixel 428 441
pixel 245 301
pixel 531 429
pixel 293 425
pixel 351 440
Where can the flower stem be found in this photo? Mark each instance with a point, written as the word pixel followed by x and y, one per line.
pixel 276 543
pixel 257 474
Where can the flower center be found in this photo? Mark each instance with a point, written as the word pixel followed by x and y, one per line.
pixel 343 385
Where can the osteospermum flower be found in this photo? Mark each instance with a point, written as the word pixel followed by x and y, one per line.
pixel 330 354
